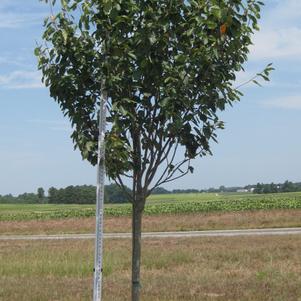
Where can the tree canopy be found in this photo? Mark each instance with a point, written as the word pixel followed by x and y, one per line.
pixel 168 68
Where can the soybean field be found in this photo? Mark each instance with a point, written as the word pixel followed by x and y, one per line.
pixel 158 205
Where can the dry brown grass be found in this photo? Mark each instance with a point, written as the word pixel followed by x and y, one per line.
pixel 181 222
pixel 223 269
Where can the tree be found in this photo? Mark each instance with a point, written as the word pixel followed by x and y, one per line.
pixel 273 188
pixel 267 188
pixel 288 186
pixel 167 67
pixel 115 194
pixel 41 194
pixel 222 188
pixel 258 188
pixel 160 190
pixel 52 195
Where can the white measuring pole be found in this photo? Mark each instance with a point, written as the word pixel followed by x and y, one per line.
pixel 100 200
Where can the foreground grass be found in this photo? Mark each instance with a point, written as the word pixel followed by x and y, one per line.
pixel 179 222
pixel 236 269
pixel 169 204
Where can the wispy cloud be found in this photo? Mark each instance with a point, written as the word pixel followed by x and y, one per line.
pixel 292 102
pixel 285 12
pixel 16 13
pixel 21 80
pixel 277 44
pixel 12 59
pixel 54 125
pixel 280 35
pixel 16 20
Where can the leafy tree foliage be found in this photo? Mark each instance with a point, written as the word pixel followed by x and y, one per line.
pixel 168 68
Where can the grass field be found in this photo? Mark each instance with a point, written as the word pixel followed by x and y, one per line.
pixel 223 269
pixel 158 205
pixel 168 222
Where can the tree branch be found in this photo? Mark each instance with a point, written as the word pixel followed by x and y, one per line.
pixel 169 176
pixel 118 181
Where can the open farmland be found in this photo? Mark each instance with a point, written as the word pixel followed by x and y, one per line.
pixel 236 269
pixel 158 205
pixel 160 223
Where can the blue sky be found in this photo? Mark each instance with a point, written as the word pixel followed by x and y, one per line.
pixel 262 137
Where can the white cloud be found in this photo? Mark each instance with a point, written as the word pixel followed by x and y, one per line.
pixel 280 35
pixel 272 44
pixel 285 11
pixel 17 13
pixel 13 59
pixel 287 102
pixel 21 80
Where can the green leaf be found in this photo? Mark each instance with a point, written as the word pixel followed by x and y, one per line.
pixel 216 11
pixel 257 83
pixel 152 39
pixel 37 51
pixel 107 6
pixel 191 169
pixel 132 55
pixel 65 36
pixel 64 3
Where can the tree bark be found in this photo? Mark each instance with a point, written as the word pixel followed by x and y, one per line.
pixel 136 248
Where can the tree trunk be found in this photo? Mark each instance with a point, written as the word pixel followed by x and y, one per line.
pixel 136 248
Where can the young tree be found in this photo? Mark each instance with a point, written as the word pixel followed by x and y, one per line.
pixel 167 67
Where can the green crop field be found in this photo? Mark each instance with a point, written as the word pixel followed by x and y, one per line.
pixel 158 204
pixel 180 197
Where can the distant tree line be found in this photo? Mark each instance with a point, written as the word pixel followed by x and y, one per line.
pixel 161 190
pixel 25 198
pixel 259 188
pixel 287 186
pixel 81 194
pixel 85 194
